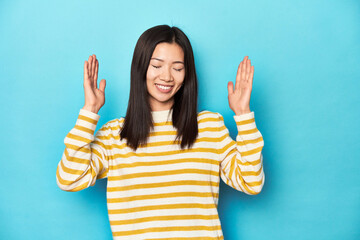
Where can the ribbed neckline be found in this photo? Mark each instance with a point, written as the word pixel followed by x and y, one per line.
pixel 162 116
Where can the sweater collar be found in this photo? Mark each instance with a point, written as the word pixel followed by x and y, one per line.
pixel 162 116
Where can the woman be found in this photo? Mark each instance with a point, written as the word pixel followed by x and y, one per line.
pixel 164 160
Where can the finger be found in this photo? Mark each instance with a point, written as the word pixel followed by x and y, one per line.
pixel 238 76
pixel 251 75
pixel 96 70
pixel 248 69
pixel 243 69
pixel 230 87
pixel 86 74
pixel 89 66
pixel 93 65
pixel 93 70
pixel 102 85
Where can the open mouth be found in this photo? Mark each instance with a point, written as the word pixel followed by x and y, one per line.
pixel 164 88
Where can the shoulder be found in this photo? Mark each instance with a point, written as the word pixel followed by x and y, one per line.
pixel 209 118
pixel 207 114
pixel 112 126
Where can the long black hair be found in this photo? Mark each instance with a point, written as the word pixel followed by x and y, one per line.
pixel 138 120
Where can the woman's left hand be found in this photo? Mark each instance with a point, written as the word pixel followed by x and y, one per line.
pixel 239 98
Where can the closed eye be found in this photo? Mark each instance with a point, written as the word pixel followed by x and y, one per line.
pixel 178 69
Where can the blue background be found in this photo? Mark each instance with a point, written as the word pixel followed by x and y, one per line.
pixel 305 98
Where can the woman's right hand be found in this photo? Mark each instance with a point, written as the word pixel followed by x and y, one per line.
pixel 94 97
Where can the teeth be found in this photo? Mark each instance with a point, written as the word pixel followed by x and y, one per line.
pixel 163 87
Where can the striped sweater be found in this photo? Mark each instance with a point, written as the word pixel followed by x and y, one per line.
pixel 160 191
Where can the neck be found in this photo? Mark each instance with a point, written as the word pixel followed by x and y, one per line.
pixel 162 115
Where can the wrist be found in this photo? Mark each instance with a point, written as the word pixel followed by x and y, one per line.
pixel 91 109
pixel 240 112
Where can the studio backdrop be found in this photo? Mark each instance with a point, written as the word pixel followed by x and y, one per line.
pixel 305 98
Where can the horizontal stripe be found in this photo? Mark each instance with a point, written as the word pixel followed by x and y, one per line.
pixel 186 238
pixel 248 185
pixel 75 159
pixel 157 143
pixel 78 138
pixel 244 122
pixel 87 119
pixel 67 182
pixel 80 171
pixel 98 154
pixel 252 163
pixel 159 196
pixel 169 123
pixel 251 152
pixel 165 162
pixel 252 141
pixel 233 152
pixel 163 173
pixel 165 218
pixel 70 170
pixel 204 113
pixel 227 147
pixel 84 129
pixel 250 131
pixel 84 149
pixel 121 121
pixel 167 229
pixel 166 207
pixel 160 133
pixel 239 179
pixel 250 173
pixel 79 188
pixel 159 124
pixel 162 184
pixel 154 154
pixel 165 153
pixel 171 133
pixel 208 119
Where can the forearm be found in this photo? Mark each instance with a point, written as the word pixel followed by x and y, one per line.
pixel 242 166
pixel 81 161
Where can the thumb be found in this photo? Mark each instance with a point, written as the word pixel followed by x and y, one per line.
pixel 102 85
pixel 230 87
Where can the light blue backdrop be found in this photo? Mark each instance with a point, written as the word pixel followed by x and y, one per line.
pixel 305 98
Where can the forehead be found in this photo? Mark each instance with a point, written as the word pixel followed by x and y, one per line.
pixel 168 51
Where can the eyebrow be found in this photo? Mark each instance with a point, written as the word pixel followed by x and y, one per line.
pixel 163 60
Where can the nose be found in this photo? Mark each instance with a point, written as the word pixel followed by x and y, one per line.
pixel 166 75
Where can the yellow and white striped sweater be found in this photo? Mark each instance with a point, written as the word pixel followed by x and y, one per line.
pixel 160 191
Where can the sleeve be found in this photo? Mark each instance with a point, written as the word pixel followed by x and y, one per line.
pixel 85 157
pixel 241 162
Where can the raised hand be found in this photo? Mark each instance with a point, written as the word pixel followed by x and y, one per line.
pixel 94 97
pixel 239 98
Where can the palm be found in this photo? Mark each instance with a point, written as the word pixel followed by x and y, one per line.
pixel 239 98
pixel 94 97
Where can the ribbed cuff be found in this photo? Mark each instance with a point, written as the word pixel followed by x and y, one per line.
pixel 87 119
pixel 245 121
pixel 244 116
pixel 89 114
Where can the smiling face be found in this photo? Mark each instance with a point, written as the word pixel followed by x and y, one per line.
pixel 165 75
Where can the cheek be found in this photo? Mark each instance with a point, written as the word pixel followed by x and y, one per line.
pixel 181 78
pixel 151 74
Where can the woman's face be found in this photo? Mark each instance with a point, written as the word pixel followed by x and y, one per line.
pixel 165 75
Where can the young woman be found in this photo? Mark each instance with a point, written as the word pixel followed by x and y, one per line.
pixel 164 160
